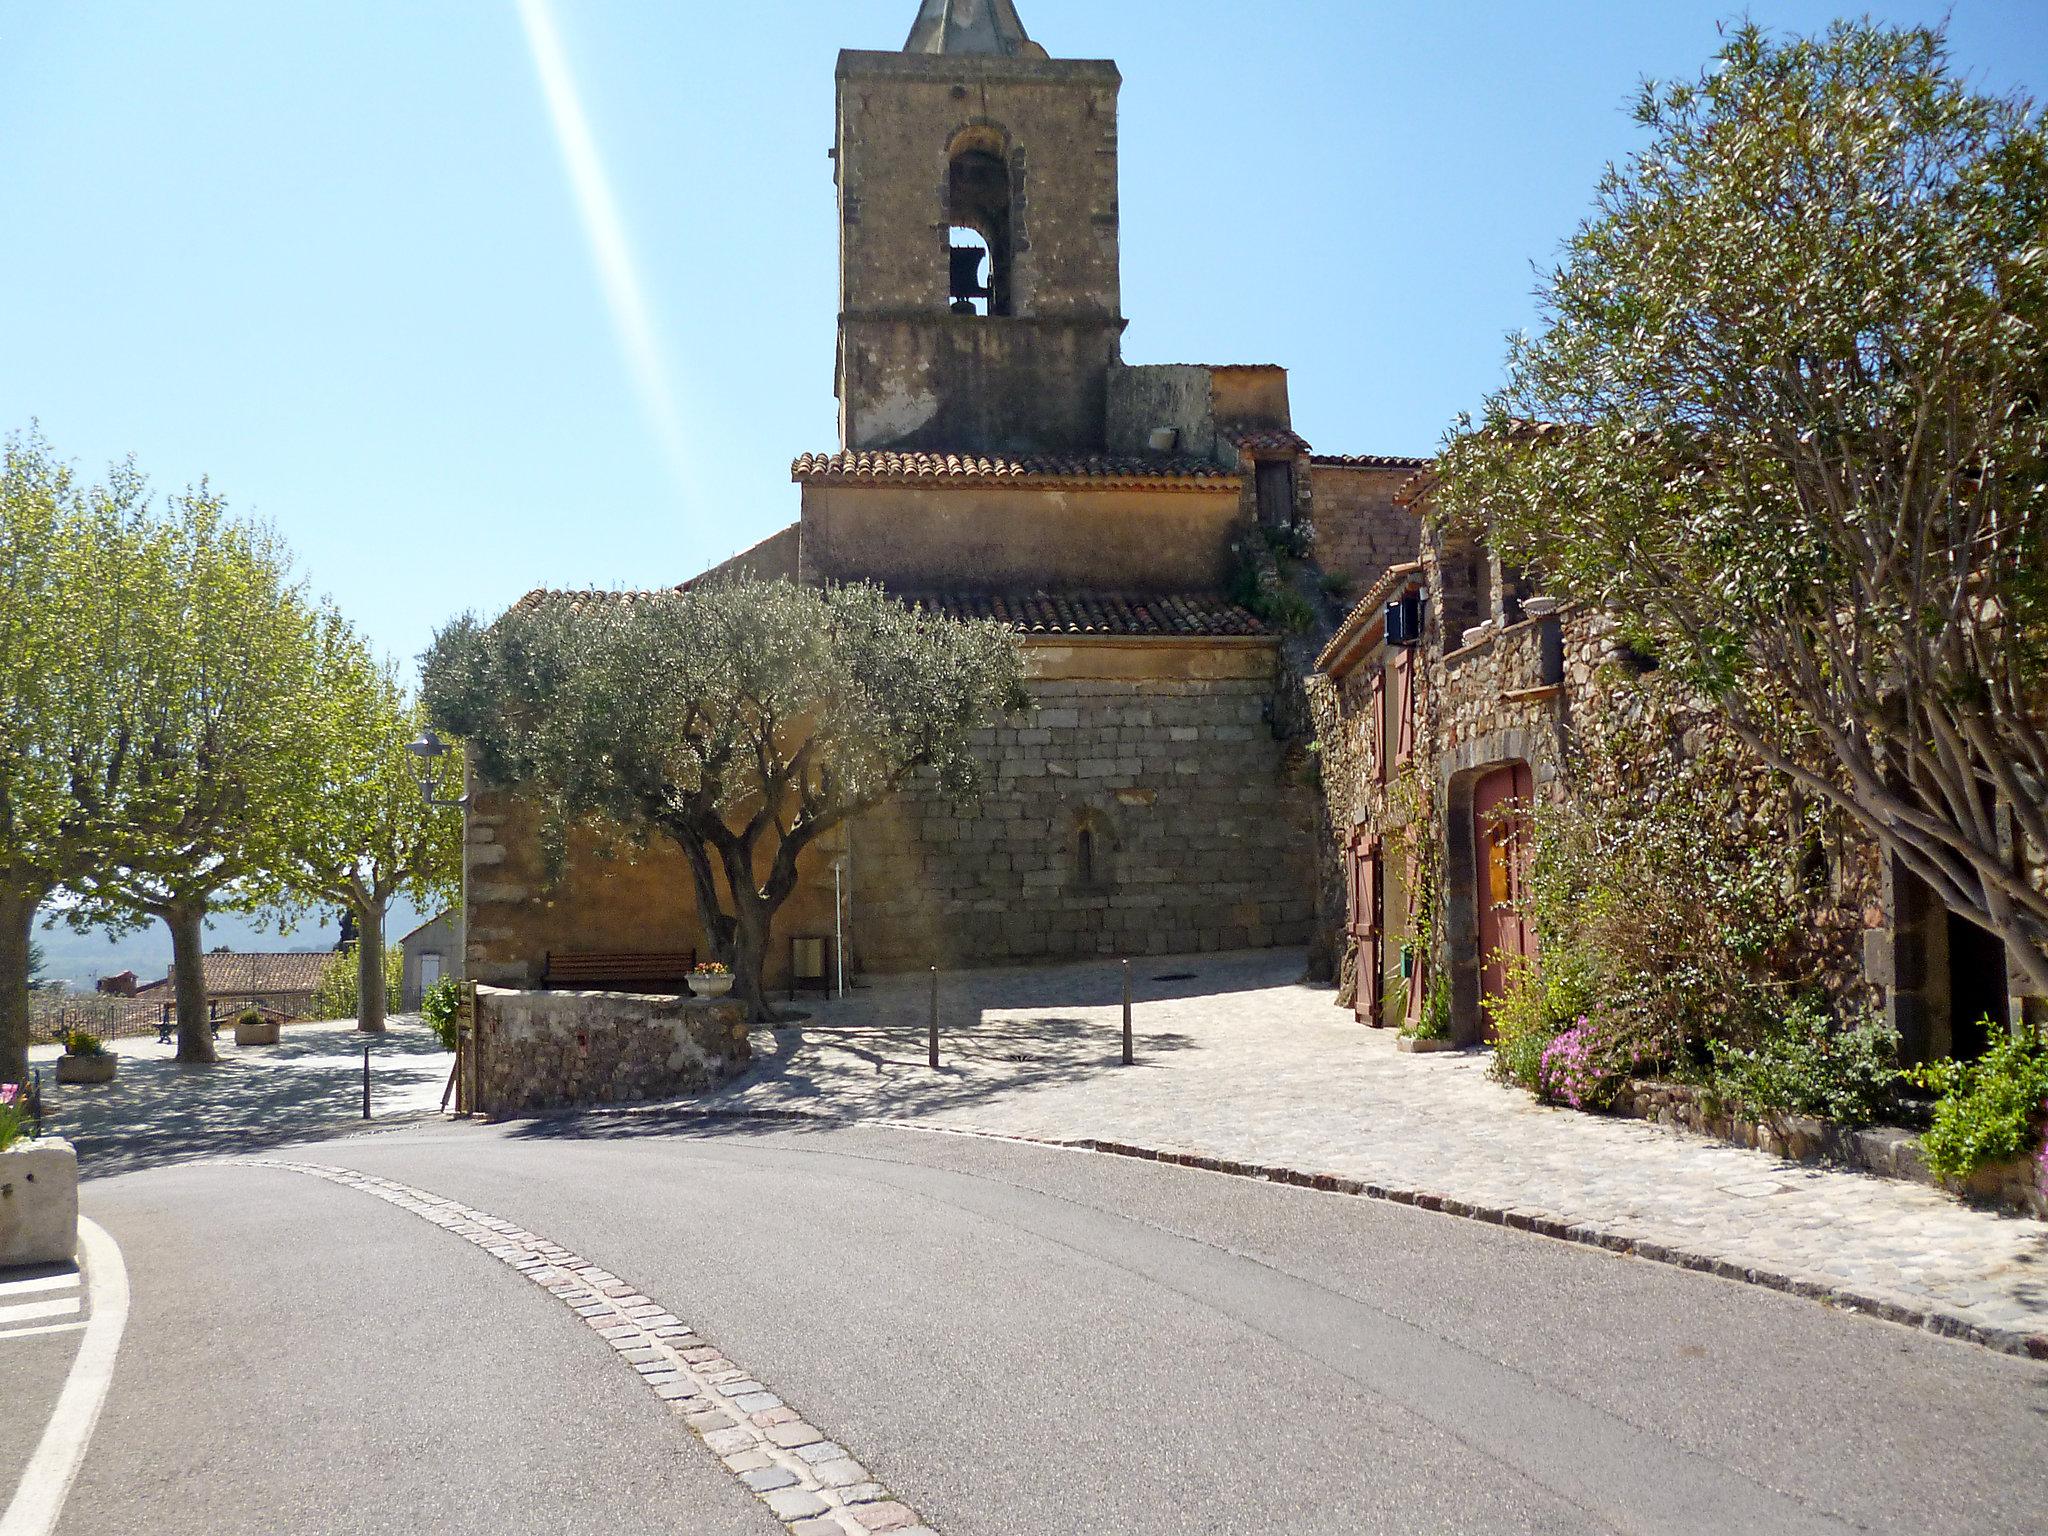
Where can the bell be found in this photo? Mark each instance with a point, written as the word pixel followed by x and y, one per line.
pixel 967 283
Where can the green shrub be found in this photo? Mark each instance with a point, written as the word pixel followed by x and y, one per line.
pixel 1541 1002
pixel 441 1007
pixel 250 1016
pixel 79 1042
pixel 1337 583
pixel 1808 1066
pixel 1991 1109
pixel 335 995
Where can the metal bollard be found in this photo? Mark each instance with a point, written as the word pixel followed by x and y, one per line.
pixel 35 1102
pixel 1127 1013
pixel 935 1019
pixel 366 1082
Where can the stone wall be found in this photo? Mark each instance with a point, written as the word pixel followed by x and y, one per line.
pixel 1360 533
pixel 1198 827
pixel 556 1050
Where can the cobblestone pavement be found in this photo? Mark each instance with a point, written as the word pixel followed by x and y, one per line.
pixel 158 1110
pixel 807 1480
pixel 1242 1066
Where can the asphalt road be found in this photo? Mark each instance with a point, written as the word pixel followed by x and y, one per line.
pixel 1015 1339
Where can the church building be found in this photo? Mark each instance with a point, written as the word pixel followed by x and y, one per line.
pixel 998 458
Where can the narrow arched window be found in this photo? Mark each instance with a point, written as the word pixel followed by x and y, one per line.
pixel 1084 856
pixel 979 198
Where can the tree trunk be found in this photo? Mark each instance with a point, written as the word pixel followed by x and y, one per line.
pixel 187 922
pixel 750 955
pixel 17 924
pixel 371 1001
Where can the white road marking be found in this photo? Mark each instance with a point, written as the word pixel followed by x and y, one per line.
pixel 54 1466
pixel 29 1333
pixel 29 1311
pixel 40 1283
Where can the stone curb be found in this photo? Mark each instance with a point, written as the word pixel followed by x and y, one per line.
pixel 1907 1311
pixel 809 1482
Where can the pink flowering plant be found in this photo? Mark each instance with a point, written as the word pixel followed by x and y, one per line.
pixel 12 1122
pixel 1582 1067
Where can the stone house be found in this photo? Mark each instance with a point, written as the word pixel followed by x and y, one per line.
pixel 282 984
pixel 1453 693
pixel 430 952
pixel 999 459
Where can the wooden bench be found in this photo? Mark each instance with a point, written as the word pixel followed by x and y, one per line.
pixel 621 972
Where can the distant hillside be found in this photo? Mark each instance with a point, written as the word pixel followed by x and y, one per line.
pixel 82 958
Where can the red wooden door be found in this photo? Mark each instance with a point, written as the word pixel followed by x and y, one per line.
pixel 1500 839
pixel 1364 858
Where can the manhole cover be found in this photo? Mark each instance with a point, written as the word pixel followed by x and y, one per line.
pixel 1176 976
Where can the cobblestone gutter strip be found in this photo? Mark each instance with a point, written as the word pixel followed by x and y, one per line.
pixel 808 1481
pixel 1912 1312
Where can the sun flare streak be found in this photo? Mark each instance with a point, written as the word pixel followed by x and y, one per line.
pixel 605 230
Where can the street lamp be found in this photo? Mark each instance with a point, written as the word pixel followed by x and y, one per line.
pixel 430 749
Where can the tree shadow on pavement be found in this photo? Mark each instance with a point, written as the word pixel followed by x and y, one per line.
pixel 851 1073
pixel 158 1110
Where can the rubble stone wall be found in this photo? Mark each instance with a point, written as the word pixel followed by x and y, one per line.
pixel 557 1050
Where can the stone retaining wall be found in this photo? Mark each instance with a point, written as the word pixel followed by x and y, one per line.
pixel 556 1050
pixel 1883 1150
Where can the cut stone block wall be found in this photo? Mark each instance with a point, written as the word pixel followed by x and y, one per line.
pixel 555 1050
pixel 1360 533
pixel 1201 836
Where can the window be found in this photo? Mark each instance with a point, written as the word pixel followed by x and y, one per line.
pixel 1467 594
pixel 1275 482
pixel 979 210
pixel 1093 851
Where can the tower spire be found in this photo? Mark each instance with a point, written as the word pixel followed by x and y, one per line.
pixel 971 26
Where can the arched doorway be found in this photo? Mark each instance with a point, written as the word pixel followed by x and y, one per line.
pixel 1500 844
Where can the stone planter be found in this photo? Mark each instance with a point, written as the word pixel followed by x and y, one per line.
pixel 262 1032
pixel 1423 1047
pixel 87 1069
pixel 38 1202
pixel 710 986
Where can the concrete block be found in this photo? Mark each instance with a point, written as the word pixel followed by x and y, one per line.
pixel 38 1203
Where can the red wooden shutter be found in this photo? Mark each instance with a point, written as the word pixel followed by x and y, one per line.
pixel 1404 705
pixel 1379 727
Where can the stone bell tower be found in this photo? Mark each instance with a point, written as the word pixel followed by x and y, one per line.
pixel 980 305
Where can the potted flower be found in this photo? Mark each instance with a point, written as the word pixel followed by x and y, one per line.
pixel 711 979
pixel 38 1190
pixel 252 1028
pixel 85 1060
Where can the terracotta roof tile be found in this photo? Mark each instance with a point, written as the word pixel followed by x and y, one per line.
pixel 236 974
pixel 1266 439
pixel 1367 461
pixel 1367 609
pixel 909 468
pixel 1197 615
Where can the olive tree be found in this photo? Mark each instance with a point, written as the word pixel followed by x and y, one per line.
pixel 743 721
pixel 366 835
pixel 1785 417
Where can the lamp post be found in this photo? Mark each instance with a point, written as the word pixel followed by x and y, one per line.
pixel 431 751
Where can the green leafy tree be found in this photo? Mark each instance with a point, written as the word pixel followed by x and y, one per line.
pixel 67 578
pixel 1785 417
pixel 218 695
pixel 367 835
pixel 743 721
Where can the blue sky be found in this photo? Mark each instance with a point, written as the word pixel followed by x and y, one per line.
pixel 329 255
